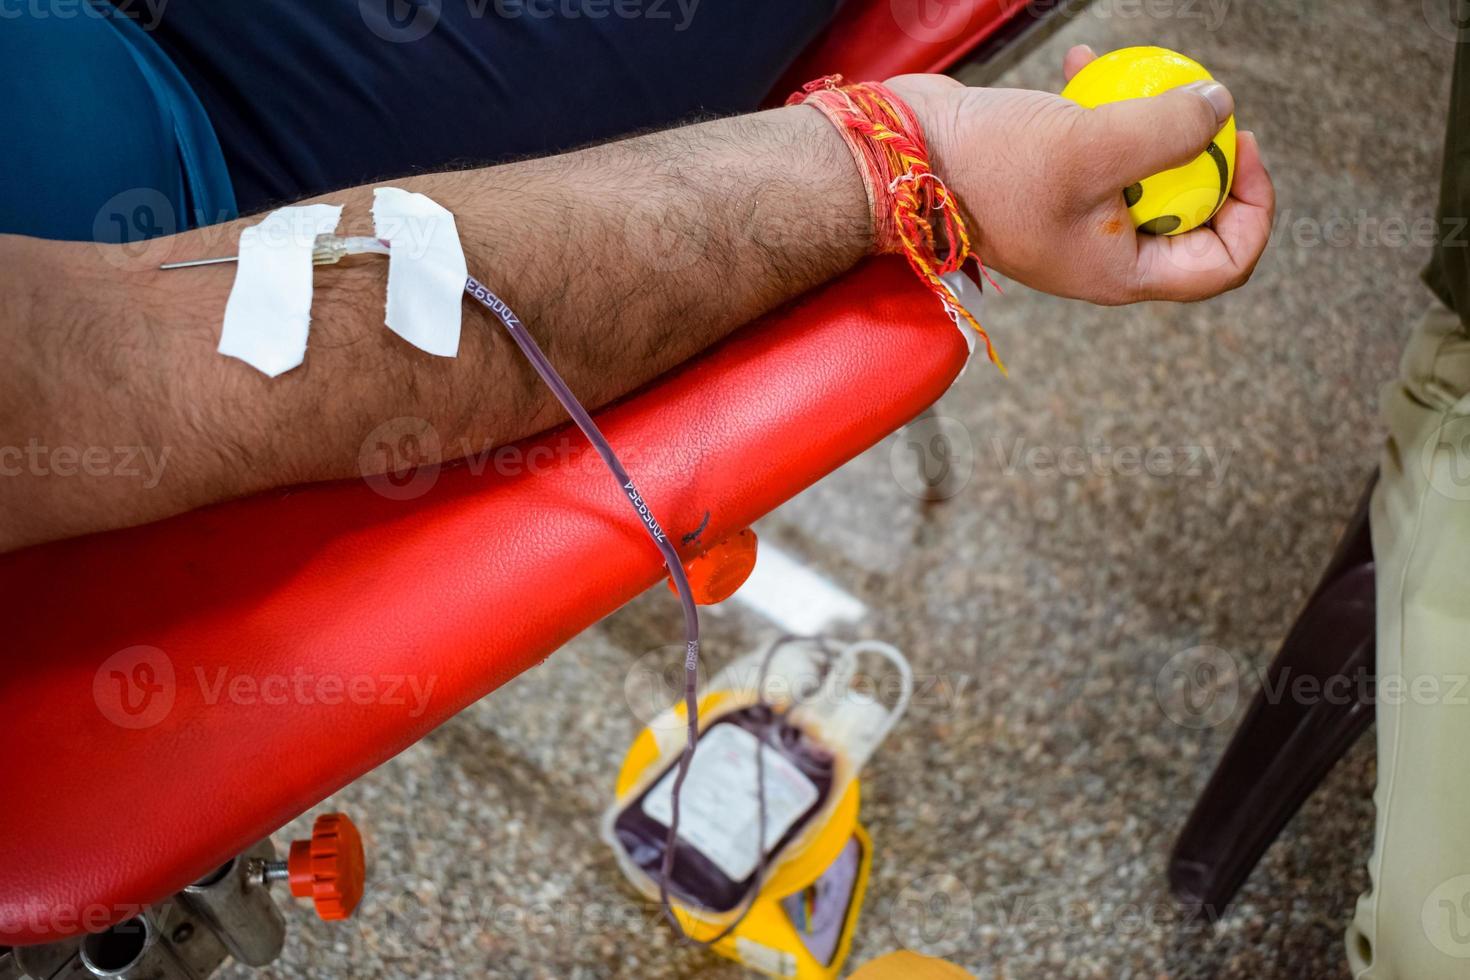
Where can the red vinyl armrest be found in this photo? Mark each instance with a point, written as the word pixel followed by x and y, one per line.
pixel 877 39
pixel 176 692
pixel 152 711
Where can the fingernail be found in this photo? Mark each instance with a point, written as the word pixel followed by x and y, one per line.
pixel 1218 96
pixel 1250 134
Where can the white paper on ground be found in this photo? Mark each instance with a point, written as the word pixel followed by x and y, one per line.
pixel 268 314
pixel 426 269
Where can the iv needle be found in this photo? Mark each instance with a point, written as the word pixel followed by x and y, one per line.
pixel 327 250
pixel 193 262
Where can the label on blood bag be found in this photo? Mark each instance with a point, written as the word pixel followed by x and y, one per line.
pixel 719 811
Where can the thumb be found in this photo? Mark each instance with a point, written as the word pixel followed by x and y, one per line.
pixel 1140 137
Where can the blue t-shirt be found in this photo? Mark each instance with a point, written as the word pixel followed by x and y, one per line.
pixel 105 139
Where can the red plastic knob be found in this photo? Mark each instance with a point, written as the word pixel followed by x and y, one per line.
pixel 329 868
pixel 715 574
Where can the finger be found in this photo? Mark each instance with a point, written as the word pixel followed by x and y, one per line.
pixel 1211 260
pixel 1252 184
pixel 1077 57
pixel 1137 138
pixel 1244 221
pixel 1191 266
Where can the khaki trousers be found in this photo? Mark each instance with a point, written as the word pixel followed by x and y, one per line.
pixel 1414 922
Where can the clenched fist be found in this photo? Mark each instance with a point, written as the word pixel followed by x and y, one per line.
pixel 1041 180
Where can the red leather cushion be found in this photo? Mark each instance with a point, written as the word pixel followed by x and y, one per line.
pixel 467 585
pixel 877 39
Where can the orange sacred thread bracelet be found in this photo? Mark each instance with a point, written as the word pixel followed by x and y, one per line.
pixel 906 196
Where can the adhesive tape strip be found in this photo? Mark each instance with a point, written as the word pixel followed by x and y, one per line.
pixel 426 269
pixel 268 314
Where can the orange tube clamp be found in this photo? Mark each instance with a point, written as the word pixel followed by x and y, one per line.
pixel 719 570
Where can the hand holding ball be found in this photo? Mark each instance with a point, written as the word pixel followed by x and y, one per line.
pixel 1178 200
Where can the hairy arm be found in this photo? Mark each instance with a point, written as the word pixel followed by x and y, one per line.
pixel 624 260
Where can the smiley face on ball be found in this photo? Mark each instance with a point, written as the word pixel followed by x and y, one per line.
pixel 1178 200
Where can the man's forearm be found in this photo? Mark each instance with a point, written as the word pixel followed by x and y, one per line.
pixel 623 259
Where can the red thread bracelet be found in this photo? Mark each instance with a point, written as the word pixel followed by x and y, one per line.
pixel 906 195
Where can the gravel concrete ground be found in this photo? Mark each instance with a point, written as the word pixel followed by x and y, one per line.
pixel 1039 784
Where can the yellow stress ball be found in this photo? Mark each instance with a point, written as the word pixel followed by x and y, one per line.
pixel 1172 202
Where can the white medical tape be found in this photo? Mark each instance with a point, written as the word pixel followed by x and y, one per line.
pixel 426 269
pixel 268 314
